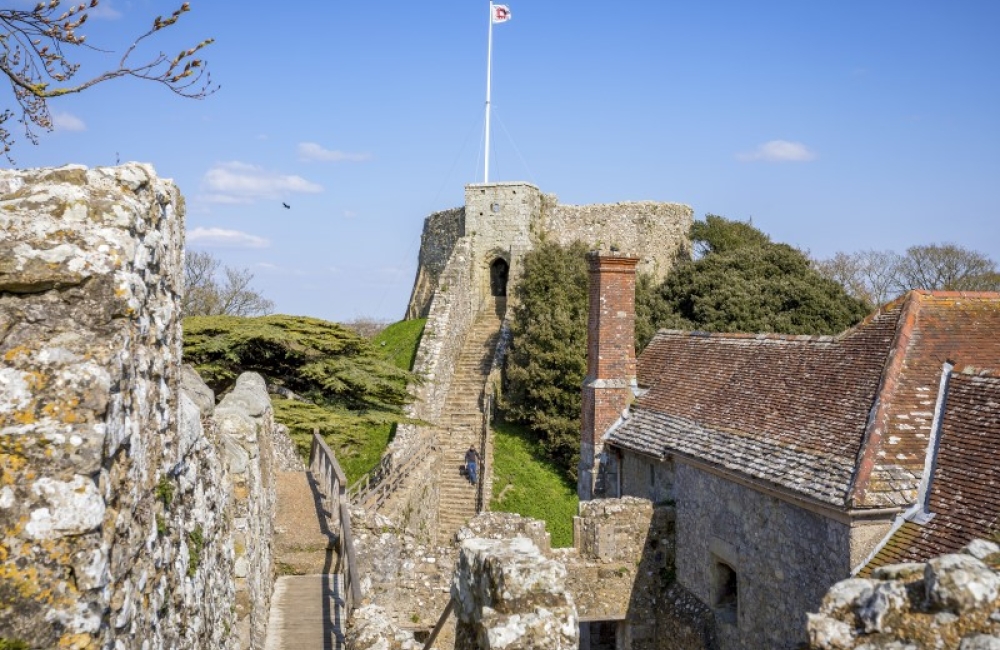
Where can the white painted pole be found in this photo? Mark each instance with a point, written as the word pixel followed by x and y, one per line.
pixel 489 71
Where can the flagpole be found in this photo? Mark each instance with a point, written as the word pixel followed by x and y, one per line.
pixel 489 70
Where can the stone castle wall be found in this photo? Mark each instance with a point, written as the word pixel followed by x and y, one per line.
pixel 654 232
pixel 766 541
pixel 952 601
pixel 451 314
pixel 116 520
pixel 506 220
pixel 502 221
pixel 441 231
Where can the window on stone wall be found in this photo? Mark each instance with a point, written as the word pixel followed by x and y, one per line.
pixel 726 592
pixel 499 270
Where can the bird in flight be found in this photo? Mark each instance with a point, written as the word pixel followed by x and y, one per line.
pixel 287 207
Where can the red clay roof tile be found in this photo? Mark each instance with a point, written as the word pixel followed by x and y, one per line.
pixel 865 397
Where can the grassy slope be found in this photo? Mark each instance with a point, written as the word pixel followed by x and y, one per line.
pixel 526 483
pixel 398 342
pixel 359 452
pixel 400 347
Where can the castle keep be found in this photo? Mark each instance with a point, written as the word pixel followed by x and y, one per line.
pixel 469 257
pixel 503 221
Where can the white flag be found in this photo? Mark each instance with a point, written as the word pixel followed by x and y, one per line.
pixel 501 13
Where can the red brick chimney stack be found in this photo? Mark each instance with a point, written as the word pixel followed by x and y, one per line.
pixel 607 389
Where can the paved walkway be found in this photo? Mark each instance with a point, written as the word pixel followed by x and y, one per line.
pixel 306 604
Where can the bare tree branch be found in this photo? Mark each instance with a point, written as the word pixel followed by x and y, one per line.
pixel 33 58
pixel 204 295
pixel 879 276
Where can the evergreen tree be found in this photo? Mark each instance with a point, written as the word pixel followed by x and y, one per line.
pixel 323 375
pixel 741 281
pixel 547 359
pixel 744 282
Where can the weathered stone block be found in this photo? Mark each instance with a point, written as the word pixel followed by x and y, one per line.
pixel 508 595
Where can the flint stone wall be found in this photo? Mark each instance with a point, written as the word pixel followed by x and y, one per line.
pixel 441 231
pixel 115 515
pixel 507 594
pixel 506 220
pixel 248 436
pixel 656 232
pixel 785 557
pixel 952 601
pixel 452 313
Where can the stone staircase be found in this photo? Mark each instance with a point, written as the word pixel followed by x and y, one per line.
pixel 462 420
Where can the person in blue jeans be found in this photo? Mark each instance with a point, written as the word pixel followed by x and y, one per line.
pixel 471 463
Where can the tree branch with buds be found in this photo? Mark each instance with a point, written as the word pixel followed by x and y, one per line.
pixel 34 46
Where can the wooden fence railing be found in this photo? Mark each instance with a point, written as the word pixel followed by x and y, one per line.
pixel 375 487
pixel 332 482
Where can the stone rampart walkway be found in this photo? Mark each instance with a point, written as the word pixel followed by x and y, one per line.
pixel 306 607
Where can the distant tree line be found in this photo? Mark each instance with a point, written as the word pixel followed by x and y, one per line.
pixel 879 276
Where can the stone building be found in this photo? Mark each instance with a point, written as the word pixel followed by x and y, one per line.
pixel 787 458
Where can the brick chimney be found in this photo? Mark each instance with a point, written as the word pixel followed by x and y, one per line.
pixel 607 389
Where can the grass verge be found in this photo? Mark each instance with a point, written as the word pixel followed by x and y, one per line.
pixel 358 445
pixel 526 483
pixel 398 342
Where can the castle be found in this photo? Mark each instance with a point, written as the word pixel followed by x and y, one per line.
pixel 727 481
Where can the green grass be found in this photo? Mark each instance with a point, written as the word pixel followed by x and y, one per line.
pixel 358 445
pixel 526 483
pixel 398 342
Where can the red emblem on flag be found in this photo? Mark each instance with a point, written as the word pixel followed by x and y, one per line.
pixel 501 13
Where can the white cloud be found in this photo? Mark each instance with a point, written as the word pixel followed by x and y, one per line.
pixel 350 214
pixel 778 151
pixel 310 151
pixel 238 182
pixel 225 238
pixel 63 121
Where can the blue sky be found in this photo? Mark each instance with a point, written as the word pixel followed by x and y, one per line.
pixel 835 126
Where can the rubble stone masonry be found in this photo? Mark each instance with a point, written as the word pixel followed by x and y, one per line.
pixel 118 495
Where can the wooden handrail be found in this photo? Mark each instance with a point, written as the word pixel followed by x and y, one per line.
pixel 440 624
pixel 375 488
pixel 333 483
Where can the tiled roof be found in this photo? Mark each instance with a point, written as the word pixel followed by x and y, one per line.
pixel 964 494
pixel 963 328
pixel 824 477
pixel 860 403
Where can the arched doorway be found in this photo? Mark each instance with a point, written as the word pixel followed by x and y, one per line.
pixel 498 277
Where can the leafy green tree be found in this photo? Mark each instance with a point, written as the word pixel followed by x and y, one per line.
pixel 741 281
pixel 744 282
pixel 321 374
pixel 547 359
pixel 720 235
